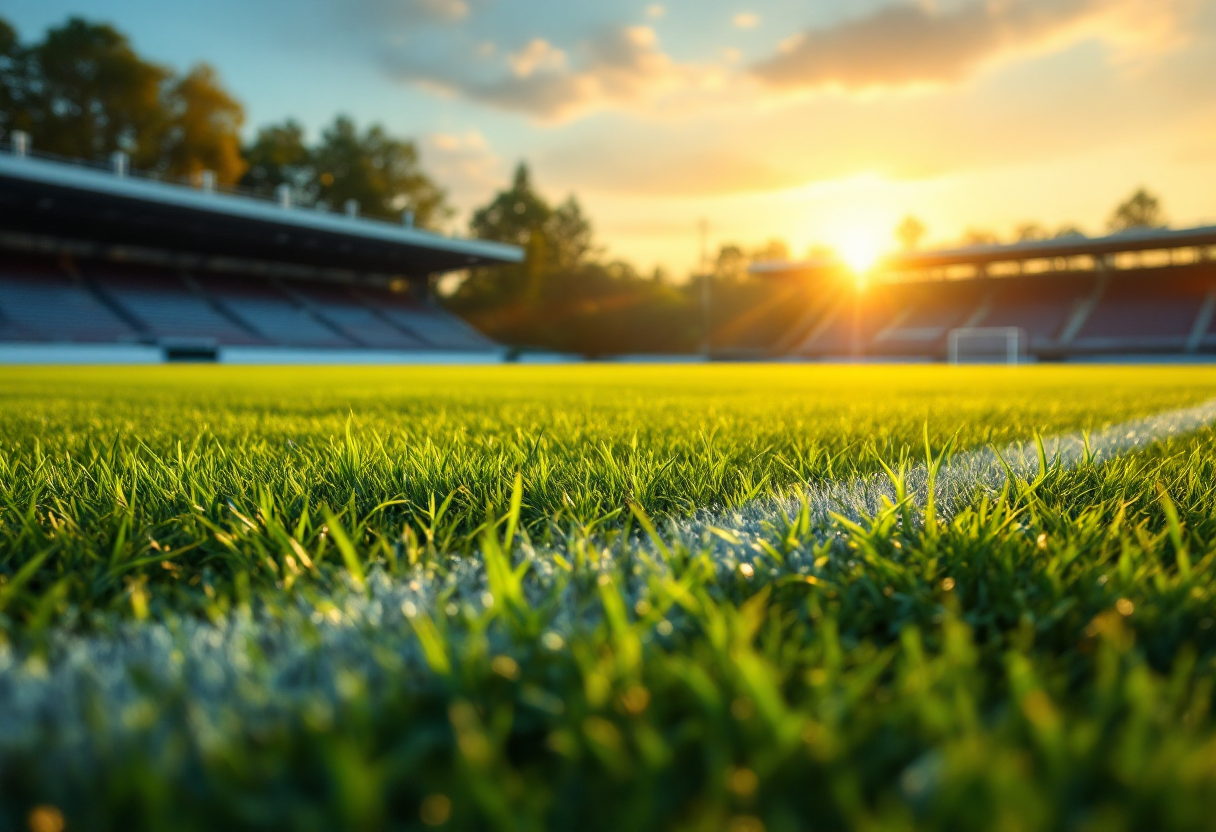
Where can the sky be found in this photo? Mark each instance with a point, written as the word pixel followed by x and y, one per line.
pixel 813 121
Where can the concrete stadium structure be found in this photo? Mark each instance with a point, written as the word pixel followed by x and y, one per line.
pixel 1145 292
pixel 99 264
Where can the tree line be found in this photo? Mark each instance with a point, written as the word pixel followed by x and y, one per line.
pixel 1140 210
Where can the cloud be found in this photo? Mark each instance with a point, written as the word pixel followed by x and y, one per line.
pixel 618 65
pixel 539 54
pixel 746 20
pixel 393 12
pixel 915 45
pixel 465 163
pixel 442 9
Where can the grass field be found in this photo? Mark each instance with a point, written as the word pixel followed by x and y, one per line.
pixel 458 598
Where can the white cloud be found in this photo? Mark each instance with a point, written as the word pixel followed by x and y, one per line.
pixel 465 163
pixel 444 9
pixel 539 54
pixel 617 66
pixel 914 45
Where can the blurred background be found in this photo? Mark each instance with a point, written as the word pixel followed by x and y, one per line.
pixel 647 157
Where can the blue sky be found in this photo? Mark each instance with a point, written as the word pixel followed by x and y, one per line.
pixel 822 121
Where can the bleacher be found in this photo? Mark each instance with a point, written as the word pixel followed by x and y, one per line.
pixel 1156 312
pixel 265 310
pixel 160 305
pixel 106 258
pixel 1077 297
pixel 359 322
pixel 425 321
pixel 53 299
pixel 40 301
pixel 1040 307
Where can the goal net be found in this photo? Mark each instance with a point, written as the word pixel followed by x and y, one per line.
pixel 987 345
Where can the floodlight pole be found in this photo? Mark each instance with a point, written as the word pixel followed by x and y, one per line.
pixel 706 344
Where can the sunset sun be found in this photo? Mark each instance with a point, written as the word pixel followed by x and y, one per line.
pixel 860 249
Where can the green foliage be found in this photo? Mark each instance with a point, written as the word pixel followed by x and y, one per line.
pixel 1043 658
pixel 556 242
pixel 1140 210
pixel 278 156
pixel 203 128
pixel 381 173
pixel 84 92
pixel 563 296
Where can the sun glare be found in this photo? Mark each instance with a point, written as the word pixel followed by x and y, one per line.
pixel 860 251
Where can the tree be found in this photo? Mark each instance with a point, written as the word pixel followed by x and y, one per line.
pixel 1068 230
pixel 569 234
pixel 556 241
pixel 1140 210
pixel 85 93
pixel 731 264
pixel 12 72
pixel 379 172
pixel 1030 231
pixel 279 156
pixel 978 237
pixel 773 251
pixel 204 124
pixel 518 216
pixel 514 215
pixel 910 232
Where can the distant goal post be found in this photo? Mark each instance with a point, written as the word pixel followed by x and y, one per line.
pixel 987 345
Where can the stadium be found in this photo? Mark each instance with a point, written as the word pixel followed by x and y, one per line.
pixel 103 266
pixel 1130 295
pixel 352 478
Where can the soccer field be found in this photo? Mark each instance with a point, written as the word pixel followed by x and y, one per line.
pixel 613 597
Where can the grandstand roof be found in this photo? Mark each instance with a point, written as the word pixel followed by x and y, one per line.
pixel 79 202
pixel 1149 239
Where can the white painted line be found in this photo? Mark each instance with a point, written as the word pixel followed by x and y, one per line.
pixel 958 481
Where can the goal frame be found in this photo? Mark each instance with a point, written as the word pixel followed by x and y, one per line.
pixel 1014 336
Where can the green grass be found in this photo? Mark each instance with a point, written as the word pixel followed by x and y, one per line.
pixel 318 599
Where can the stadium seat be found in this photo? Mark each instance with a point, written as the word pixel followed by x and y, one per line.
pixel 436 327
pixel 849 327
pixel 1040 305
pixel 927 314
pixel 279 320
pixel 1134 313
pixel 165 306
pixel 360 322
pixel 39 301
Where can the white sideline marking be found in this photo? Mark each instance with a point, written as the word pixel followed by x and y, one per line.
pixel 252 671
pixel 959 479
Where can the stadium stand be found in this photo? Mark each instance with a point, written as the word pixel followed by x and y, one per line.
pixel 40 301
pixel 343 311
pixel 92 257
pixel 270 313
pixel 1040 305
pixel 420 320
pixel 1145 292
pixel 160 304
